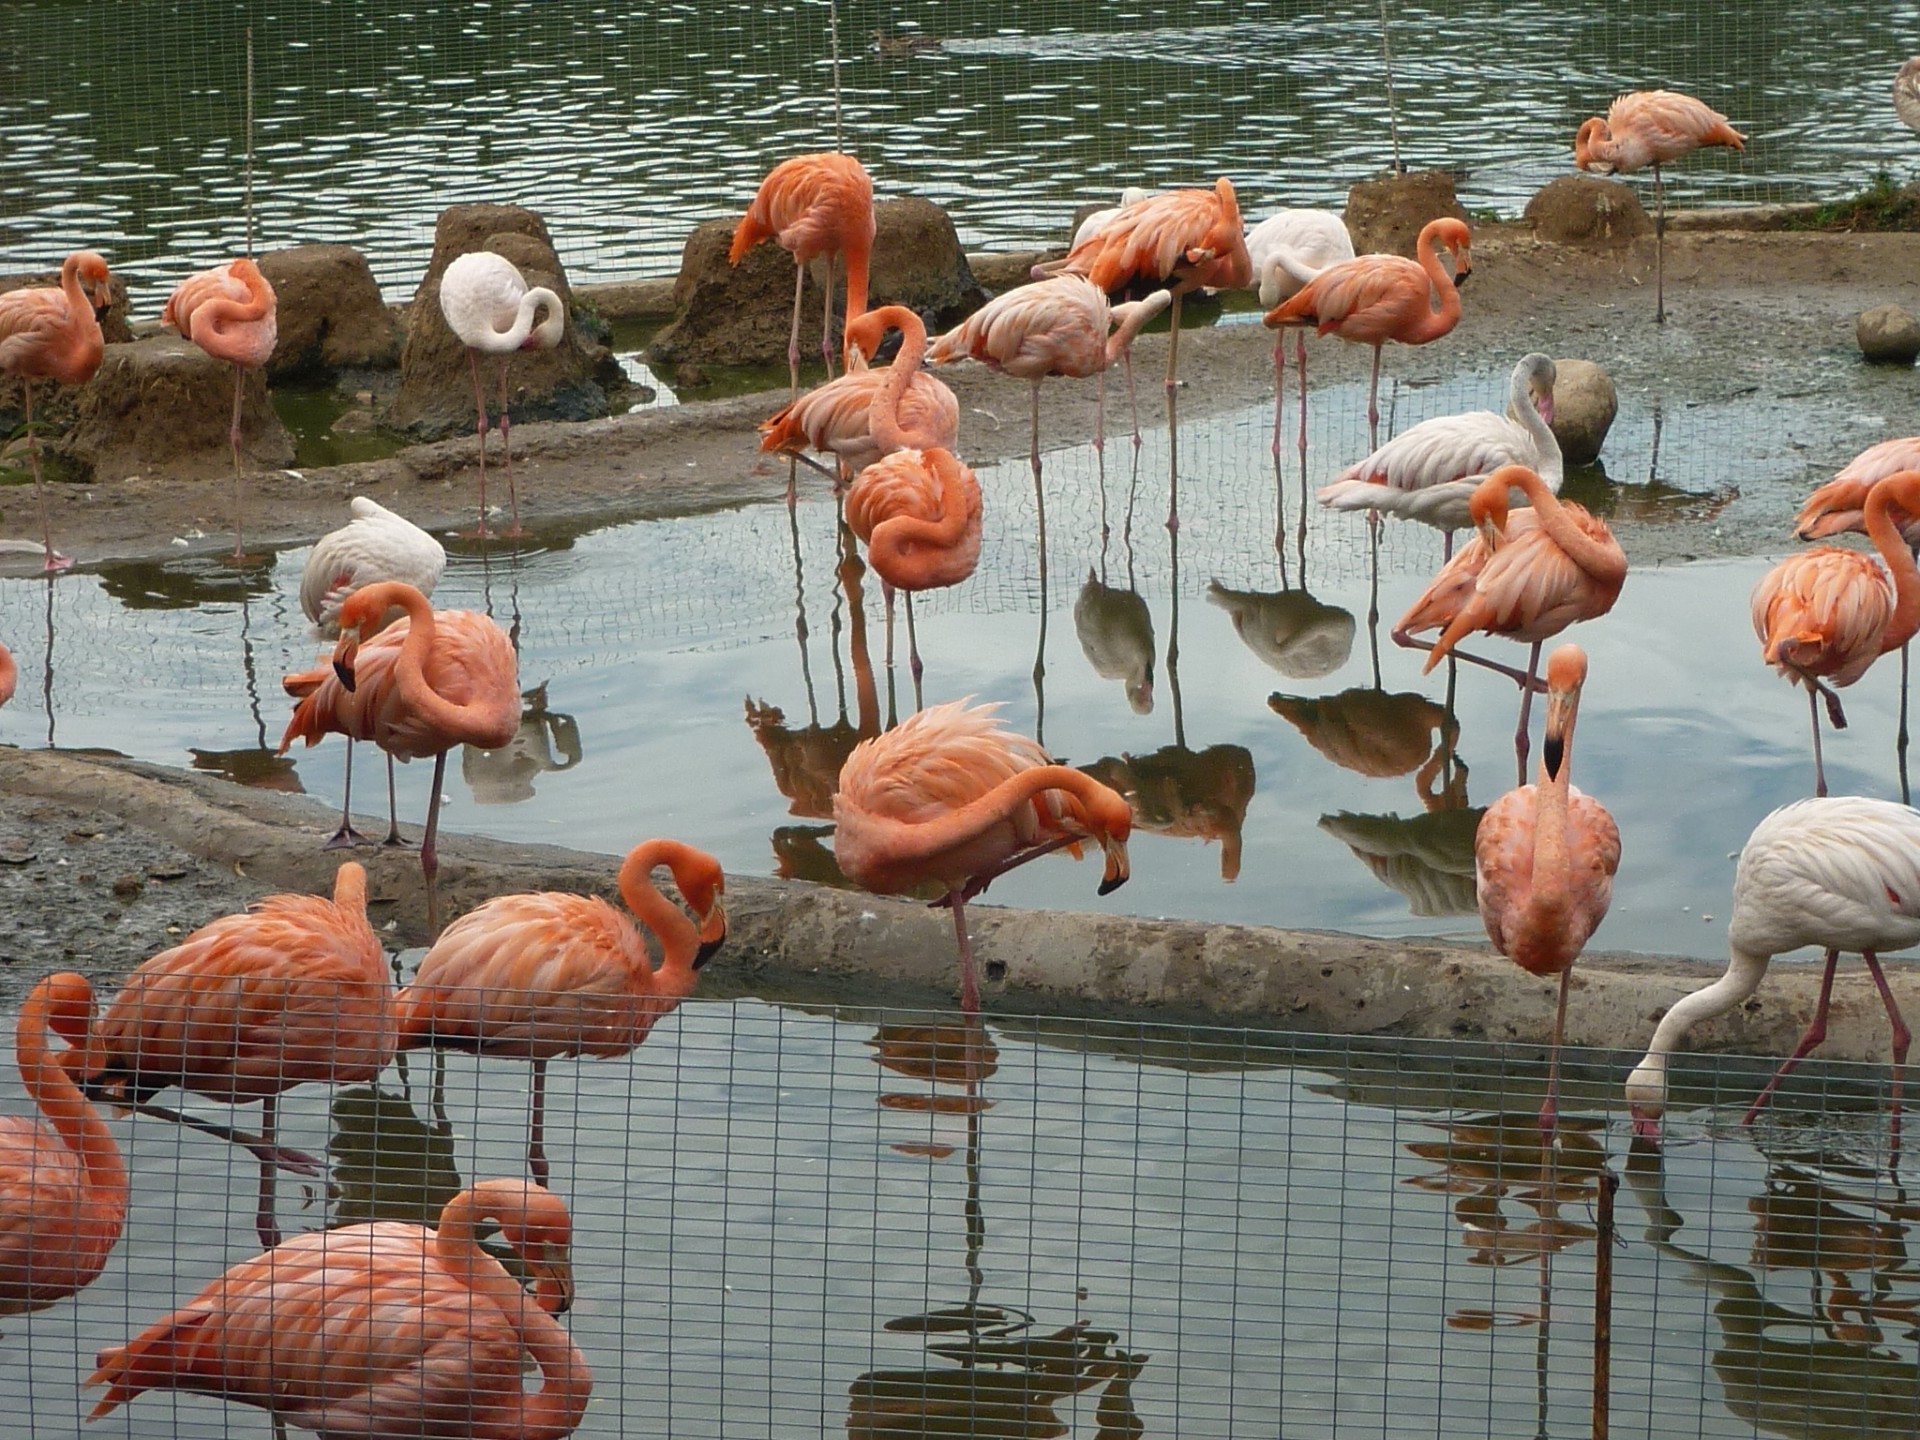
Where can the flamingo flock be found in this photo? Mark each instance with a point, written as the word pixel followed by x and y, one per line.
pixel 380 1330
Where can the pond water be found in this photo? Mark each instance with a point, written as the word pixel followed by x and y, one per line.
pixel 883 1223
pixel 698 677
pixel 626 125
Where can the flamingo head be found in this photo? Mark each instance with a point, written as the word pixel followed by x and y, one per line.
pixel 1541 378
pixel 1566 673
pixel 1586 147
pixel 1487 508
pixel 91 270
pixel 535 1223
pixel 1109 819
pixel 64 1004
pixel 1647 1096
pixel 702 883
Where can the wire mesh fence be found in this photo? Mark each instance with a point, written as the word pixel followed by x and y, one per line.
pixel 625 128
pixel 792 1220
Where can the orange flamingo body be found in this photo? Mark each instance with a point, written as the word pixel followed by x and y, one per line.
pixel 63 1185
pixel 815 207
pixel 1545 857
pixel 1372 299
pixel 545 975
pixel 9 675
pixel 1652 128
pixel 229 312
pixel 918 513
pixel 295 990
pixel 426 683
pixel 52 333
pixel 1528 575
pixel 1825 615
pixel 951 797
pixel 838 418
pixel 383 1331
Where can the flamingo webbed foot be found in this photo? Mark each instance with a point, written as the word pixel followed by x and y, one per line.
pixel 346 838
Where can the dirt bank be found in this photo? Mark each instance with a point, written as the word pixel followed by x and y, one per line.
pixel 103 862
pixel 1746 309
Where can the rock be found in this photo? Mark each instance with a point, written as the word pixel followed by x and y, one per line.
pixel 1384 216
pixel 353 422
pixel 568 382
pixel 1584 404
pixel 55 403
pixel 743 314
pixel 331 315
pixel 1888 335
pixel 1587 210
pixel 161 407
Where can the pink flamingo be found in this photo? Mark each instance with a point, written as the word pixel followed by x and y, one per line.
pixel 424 684
pixel 386 1331
pixel 1840 505
pixel 53 334
pixel 1288 249
pixel 1376 298
pixel 294 991
pixel 1544 858
pixel 815 207
pixel 1652 127
pixel 865 414
pixel 1182 239
pixel 949 796
pixel 541 976
pixel 1528 576
pixel 1825 615
pixel 63 1185
pixel 9 675
pixel 918 513
pixel 228 312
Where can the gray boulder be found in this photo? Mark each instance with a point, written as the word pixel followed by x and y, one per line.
pixel 1888 335
pixel 330 312
pixel 1584 404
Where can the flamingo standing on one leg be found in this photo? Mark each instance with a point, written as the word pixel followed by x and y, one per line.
pixel 918 513
pixel 1840 505
pixel 386 1331
pixel 837 418
pixel 52 333
pixel 293 991
pixel 229 312
pixel 1825 615
pixel 1184 239
pixel 1544 858
pixel 374 545
pixel 63 1185
pixel 1289 249
pixel 542 976
pixel 1376 298
pixel 488 306
pixel 815 207
pixel 950 796
pixel 424 684
pixel 1840 873
pixel 1429 473
pixel 1652 127
pixel 1528 576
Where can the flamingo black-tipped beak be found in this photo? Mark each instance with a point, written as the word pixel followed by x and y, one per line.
pixel 1552 752
pixel 1464 274
pixel 713 934
pixel 553 1280
pixel 344 669
pixel 1117 872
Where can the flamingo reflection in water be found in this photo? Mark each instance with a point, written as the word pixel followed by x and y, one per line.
pixel 1426 857
pixel 998 1379
pixel 1115 630
pixel 505 776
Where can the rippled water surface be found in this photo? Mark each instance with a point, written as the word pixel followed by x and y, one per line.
pixel 626 125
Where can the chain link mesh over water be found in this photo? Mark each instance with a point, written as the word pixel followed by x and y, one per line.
pixel 626 126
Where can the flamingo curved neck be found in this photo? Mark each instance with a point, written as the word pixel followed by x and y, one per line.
pixel 1527 414
pixel 76 298
pixel 907 548
pixel 220 312
pixel 1743 975
pixel 1436 322
pixel 678 937
pixel 556 1408
pixel 410 669
pixel 1904 623
pixel 1603 563
pixel 914 840
pixel 518 335
pixel 59 1100
pixel 1134 317
pixel 883 420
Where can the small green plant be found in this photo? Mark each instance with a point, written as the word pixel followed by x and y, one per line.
pixel 1883 205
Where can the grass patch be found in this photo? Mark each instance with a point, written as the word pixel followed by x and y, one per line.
pixel 1883 205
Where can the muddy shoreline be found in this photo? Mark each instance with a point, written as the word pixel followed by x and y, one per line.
pixel 105 861
pixel 1733 293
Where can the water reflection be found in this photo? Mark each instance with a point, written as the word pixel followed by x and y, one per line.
pixel 996 1379
pixel 388 1163
pixel 184 584
pixel 505 776
pixel 1372 732
pixel 1293 633
pixel 1115 630
pixel 1197 794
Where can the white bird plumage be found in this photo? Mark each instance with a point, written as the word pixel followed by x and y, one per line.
pixel 1840 872
pixel 1429 473
pixel 1100 219
pixel 1290 247
pixel 1115 630
pixel 1297 635
pixel 374 545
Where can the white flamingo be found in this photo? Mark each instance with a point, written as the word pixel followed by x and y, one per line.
pixel 1429 473
pixel 1115 630
pixel 374 545
pixel 489 307
pixel 1840 872
pixel 1288 249
pixel 1906 94
pixel 1100 219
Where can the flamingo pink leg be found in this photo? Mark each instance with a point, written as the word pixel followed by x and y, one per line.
pixel 1659 248
pixel 1816 1032
pixel 264 1220
pixel 1300 367
pixel 1550 1107
pixel 537 1125
pixel 969 981
pixel 826 320
pixel 1173 431
pixel 480 411
pixel 914 667
pixel 346 837
pixel 1406 641
pixel 1373 402
pixel 55 561
pixel 793 339
pixel 233 438
pixel 506 448
pixel 1133 404
pixel 1902 1038
pixel 1521 740
pixel 1100 414
pixel 429 856
pixel 393 840
pixel 1279 384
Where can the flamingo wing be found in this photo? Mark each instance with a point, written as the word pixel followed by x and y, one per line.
pixel 1361 299
pixel 1840 505
pixel 1823 611
pixel 1843 872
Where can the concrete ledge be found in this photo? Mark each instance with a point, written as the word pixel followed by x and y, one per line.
pixel 799 941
